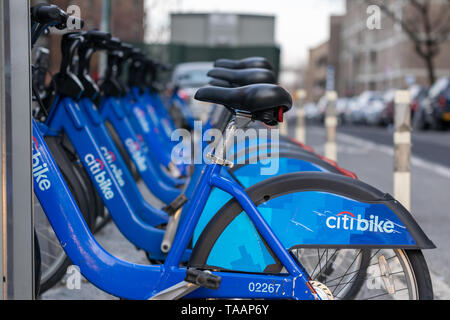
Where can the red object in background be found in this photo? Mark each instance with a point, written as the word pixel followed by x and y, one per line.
pixel 183 95
pixel 443 101
pixel 95 77
pixel 415 105
pixel 390 109
pixel 301 145
pixel 333 163
pixel 347 173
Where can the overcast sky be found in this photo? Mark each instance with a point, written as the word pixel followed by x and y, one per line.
pixel 300 24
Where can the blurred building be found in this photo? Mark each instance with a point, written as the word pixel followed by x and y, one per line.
pixel 127 22
pixel 366 59
pixel 221 29
pixel 381 59
pixel 321 59
pixel 316 72
pixel 211 36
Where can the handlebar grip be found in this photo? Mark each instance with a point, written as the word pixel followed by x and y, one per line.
pixel 48 14
pixel 96 35
pixel 115 42
pixel 126 48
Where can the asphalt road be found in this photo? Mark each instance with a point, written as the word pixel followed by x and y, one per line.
pixel 429 145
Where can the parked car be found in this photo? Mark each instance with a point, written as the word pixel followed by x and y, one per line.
pixel 322 108
pixel 387 114
pixel 352 107
pixel 436 109
pixel 189 77
pixel 311 112
pixel 342 105
pixel 373 112
pixel 418 96
pixel 366 107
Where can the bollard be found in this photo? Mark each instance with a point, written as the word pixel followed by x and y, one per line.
pixel 300 129
pixel 284 130
pixel 402 147
pixel 330 126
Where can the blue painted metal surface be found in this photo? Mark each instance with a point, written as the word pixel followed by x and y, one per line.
pixel 66 116
pixel 129 280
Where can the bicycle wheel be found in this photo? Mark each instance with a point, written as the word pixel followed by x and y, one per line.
pixel 96 207
pixel 54 261
pixel 361 274
pixel 340 273
pixel 37 266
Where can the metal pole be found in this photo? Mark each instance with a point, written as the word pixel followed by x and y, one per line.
pixel 284 129
pixel 300 130
pixel 17 250
pixel 402 143
pixel 330 126
pixel 105 26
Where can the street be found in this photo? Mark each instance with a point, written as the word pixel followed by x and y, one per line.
pixel 428 145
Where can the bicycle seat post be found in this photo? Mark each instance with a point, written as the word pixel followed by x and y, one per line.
pixel 218 154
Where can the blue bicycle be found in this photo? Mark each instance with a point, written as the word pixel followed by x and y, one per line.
pixel 360 235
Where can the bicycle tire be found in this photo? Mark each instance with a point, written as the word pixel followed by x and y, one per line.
pixel 97 208
pixel 37 266
pixel 423 276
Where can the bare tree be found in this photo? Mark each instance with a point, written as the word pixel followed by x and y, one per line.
pixel 427 25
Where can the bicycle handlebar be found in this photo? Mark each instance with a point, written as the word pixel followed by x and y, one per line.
pixel 48 14
pixel 52 15
pixel 44 16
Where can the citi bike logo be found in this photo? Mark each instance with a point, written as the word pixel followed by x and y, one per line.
pixel 135 149
pixel 111 158
pixel 40 169
pixel 348 221
pixel 140 115
pixel 96 166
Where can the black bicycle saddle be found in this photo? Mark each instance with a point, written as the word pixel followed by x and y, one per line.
pixel 221 83
pixel 243 77
pixel 254 62
pixel 265 102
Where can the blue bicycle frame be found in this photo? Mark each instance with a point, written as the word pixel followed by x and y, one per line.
pixel 144 118
pixel 117 112
pixel 131 281
pixel 67 116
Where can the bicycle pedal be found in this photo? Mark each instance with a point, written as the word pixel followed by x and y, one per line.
pixel 203 279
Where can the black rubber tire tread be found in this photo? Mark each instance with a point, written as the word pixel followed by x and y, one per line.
pixel 37 266
pixel 96 206
pixel 422 274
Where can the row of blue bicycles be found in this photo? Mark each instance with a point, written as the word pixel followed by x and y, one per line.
pixel 227 229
